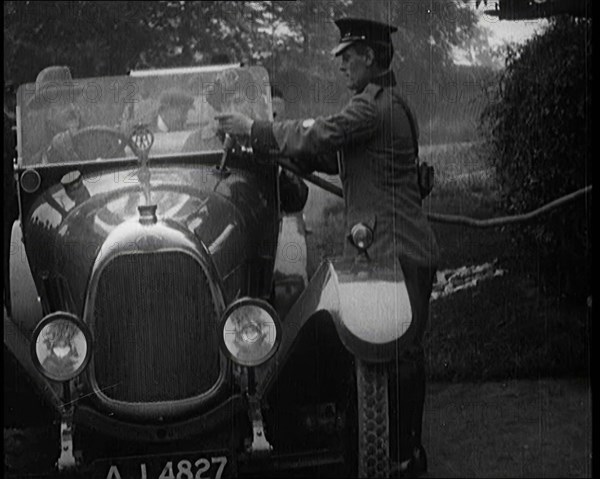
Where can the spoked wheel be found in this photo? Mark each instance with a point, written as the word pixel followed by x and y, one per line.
pixel 373 415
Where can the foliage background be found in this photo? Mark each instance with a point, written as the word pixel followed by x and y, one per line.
pixel 539 137
pixel 291 39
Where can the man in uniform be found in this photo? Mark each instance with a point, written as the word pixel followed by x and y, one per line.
pixel 374 134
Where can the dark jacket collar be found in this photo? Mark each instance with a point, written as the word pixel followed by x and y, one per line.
pixel 386 79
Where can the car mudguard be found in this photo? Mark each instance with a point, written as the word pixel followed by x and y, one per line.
pixel 25 313
pixel 26 309
pixel 19 346
pixel 290 275
pixel 369 304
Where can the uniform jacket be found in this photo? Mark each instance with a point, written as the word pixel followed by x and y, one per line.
pixel 377 168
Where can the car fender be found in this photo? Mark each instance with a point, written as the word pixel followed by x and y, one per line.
pixel 26 308
pixel 25 313
pixel 18 344
pixel 368 303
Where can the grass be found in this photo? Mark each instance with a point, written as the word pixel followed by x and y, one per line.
pixel 506 327
pixel 525 428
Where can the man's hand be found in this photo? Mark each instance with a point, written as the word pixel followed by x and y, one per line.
pixel 234 124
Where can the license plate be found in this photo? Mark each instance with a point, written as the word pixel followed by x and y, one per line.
pixel 202 465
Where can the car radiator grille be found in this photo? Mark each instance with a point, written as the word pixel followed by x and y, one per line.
pixel 155 329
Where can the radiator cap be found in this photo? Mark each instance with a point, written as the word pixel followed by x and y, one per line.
pixel 147 214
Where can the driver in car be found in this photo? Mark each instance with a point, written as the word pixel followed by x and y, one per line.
pixel 58 119
pixel 63 121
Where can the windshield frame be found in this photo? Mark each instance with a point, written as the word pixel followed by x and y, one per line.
pixel 262 107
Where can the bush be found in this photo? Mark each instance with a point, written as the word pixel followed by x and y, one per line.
pixel 539 130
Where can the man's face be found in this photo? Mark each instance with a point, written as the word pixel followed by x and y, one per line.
pixel 175 117
pixel 356 68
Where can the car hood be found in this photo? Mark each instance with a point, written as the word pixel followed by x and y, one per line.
pixel 67 226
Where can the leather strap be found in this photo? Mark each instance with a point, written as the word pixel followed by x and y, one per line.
pixel 413 127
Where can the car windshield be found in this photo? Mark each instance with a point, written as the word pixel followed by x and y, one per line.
pixel 90 119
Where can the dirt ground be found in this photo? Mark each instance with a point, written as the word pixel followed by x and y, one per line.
pixel 530 428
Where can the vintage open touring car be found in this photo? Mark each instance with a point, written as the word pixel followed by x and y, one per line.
pixel 151 332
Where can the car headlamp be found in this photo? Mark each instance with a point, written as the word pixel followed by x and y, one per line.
pixel 251 331
pixel 61 346
pixel 362 236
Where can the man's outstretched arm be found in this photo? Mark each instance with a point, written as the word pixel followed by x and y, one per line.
pixel 306 138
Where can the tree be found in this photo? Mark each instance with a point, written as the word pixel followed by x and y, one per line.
pixel 292 39
pixel 539 126
pixel 110 37
pixel 477 50
pixel 424 42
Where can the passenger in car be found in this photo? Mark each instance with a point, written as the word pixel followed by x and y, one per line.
pixel 168 114
pixel 222 97
pixel 174 106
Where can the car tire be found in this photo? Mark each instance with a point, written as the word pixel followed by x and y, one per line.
pixel 373 420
